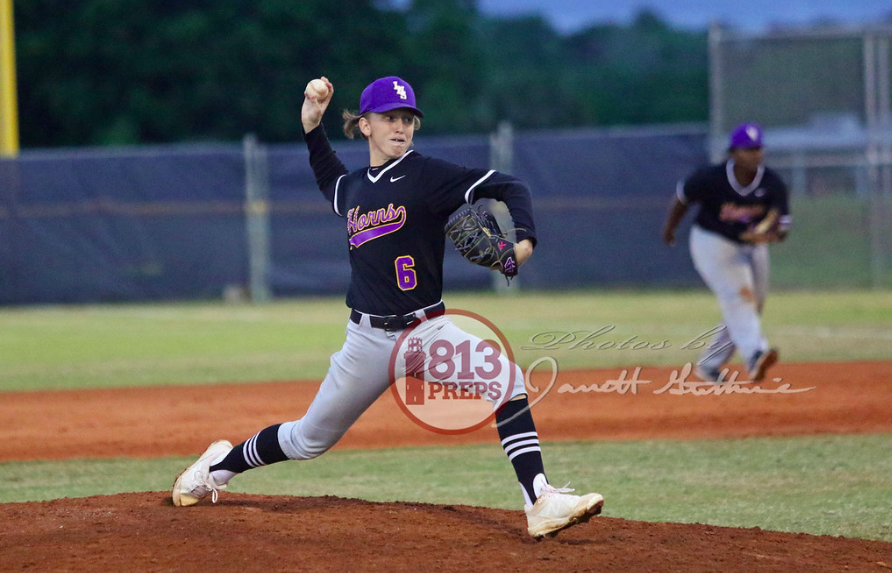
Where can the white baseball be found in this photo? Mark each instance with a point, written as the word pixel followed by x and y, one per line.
pixel 317 88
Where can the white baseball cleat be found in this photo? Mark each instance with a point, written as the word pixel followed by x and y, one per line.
pixel 761 362
pixel 556 509
pixel 195 482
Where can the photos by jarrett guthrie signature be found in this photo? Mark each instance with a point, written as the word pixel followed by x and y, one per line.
pixel 678 384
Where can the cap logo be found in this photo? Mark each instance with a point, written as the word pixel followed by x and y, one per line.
pixel 401 90
pixel 751 131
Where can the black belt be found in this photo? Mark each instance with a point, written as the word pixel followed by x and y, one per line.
pixel 396 321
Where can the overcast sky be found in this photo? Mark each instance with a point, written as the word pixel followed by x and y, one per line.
pixel 751 15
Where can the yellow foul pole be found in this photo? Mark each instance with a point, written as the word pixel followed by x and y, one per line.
pixel 9 122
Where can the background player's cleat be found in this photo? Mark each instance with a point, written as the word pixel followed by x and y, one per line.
pixel 556 509
pixel 710 374
pixel 761 362
pixel 195 482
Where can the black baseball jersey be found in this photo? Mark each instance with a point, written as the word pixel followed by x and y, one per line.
pixel 727 207
pixel 396 215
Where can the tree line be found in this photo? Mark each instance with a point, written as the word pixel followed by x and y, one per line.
pixel 108 72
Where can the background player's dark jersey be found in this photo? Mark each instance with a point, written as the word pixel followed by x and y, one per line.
pixel 395 216
pixel 728 208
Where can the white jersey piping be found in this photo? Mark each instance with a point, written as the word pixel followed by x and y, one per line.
pixel 740 189
pixel 386 169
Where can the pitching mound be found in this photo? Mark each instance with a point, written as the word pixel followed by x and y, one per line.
pixel 144 532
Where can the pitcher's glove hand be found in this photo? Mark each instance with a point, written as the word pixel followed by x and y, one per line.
pixel 477 237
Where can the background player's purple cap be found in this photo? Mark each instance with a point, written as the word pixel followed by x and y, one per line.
pixel 388 93
pixel 746 136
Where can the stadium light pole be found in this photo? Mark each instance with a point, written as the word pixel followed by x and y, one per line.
pixel 9 125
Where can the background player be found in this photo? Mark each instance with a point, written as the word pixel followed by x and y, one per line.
pixel 730 252
pixel 396 210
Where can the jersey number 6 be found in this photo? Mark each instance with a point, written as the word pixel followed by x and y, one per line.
pixel 405 273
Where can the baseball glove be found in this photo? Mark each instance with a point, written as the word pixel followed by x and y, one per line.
pixel 765 232
pixel 477 237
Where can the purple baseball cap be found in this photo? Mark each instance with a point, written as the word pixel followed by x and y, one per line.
pixel 385 94
pixel 746 136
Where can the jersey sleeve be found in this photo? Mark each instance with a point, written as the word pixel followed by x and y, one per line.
pixel 693 189
pixel 781 201
pixel 453 185
pixel 516 196
pixel 327 168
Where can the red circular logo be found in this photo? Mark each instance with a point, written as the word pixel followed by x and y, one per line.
pixel 452 379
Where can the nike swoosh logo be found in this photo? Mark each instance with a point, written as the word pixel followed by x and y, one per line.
pixel 395 179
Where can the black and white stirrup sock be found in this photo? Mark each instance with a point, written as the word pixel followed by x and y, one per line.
pixel 521 443
pixel 516 430
pixel 260 450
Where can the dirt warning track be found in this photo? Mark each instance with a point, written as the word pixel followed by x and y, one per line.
pixel 835 398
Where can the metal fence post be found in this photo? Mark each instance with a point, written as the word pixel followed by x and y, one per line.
pixel 257 218
pixel 879 154
pixel 716 94
pixel 501 158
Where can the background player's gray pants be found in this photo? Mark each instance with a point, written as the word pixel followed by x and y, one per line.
pixel 738 275
pixel 358 375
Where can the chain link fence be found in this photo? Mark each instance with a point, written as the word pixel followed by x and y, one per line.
pixel 180 222
pixel 823 97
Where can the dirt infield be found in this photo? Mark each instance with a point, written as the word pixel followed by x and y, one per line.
pixel 177 421
pixel 142 532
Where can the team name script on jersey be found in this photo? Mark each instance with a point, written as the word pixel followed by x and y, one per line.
pixel 732 212
pixel 364 227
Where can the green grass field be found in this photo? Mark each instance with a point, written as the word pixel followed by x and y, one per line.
pixel 836 485
pixel 829 246
pixel 133 345
pixel 829 485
